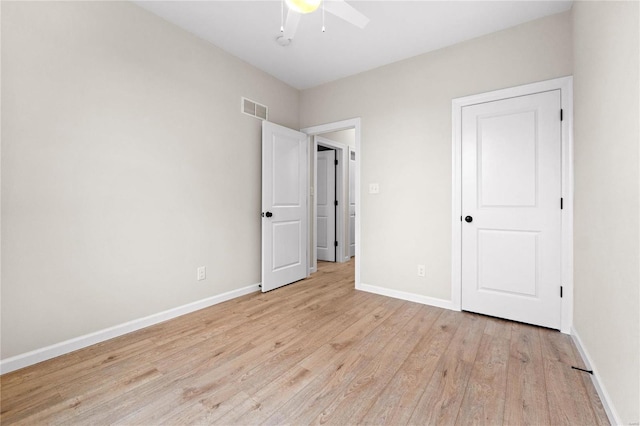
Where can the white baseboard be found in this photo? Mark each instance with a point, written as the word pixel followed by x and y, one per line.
pixel 48 352
pixel 411 297
pixel 607 404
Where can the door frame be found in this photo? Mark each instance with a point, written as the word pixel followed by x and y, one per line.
pixel 352 123
pixel 565 85
pixel 342 155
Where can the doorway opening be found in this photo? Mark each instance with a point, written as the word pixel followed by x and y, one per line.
pixel 342 138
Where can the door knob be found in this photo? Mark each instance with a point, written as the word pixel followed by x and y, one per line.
pixel 468 219
pixel 268 214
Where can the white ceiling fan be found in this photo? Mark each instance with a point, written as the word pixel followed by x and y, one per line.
pixel 297 8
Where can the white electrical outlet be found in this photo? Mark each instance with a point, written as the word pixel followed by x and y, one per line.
pixel 202 273
pixel 374 188
pixel 421 271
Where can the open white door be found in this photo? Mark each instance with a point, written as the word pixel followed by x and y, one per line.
pixel 326 205
pixel 284 206
pixel 511 206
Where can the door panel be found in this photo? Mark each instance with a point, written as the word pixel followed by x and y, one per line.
pixel 286 172
pixel 284 206
pixel 507 159
pixel 511 188
pixel 286 245
pixel 326 210
pixel 506 254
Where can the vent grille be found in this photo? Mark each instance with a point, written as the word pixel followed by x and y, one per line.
pixel 254 109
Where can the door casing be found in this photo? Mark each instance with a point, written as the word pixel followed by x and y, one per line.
pixel 565 85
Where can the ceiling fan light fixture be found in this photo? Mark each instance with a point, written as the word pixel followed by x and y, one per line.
pixel 303 6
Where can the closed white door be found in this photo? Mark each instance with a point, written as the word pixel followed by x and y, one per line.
pixel 284 206
pixel 511 201
pixel 352 202
pixel 326 208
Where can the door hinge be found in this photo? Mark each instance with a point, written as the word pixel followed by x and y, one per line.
pixel 335 244
pixel 335 203
pixel 561 114
pixel 561 203
pixel 560 291
pixel 336 162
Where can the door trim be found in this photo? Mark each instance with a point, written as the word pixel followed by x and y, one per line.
pixel 565 85
pixel 352 123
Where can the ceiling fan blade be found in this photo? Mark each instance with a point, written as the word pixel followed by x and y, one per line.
pixel 343 10
pixel 290 27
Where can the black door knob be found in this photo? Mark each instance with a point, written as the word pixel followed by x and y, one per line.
pixel 468 219
pixel 268 214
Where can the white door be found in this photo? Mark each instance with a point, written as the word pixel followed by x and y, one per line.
pixel 511 189
pixel 352 202
pixel 284 206
pixel 326 209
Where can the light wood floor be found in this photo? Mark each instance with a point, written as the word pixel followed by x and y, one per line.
pixel 316 351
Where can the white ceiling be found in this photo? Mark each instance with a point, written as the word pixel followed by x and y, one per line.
pixel 397 30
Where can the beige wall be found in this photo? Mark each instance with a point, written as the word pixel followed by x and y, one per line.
pixel 126 164
pixel 406 142
pixel 347 137
pixel 607 180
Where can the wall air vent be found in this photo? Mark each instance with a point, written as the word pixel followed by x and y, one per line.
pixel 254 109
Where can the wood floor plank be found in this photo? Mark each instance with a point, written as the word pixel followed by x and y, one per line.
pixel 316 351
pixel 267 371
pixel 326 382
pixel 442 398
pixel 302 348
pixel 396 403
pixel 264 402
pixel 336 372
pixel 69 409
pixel 351 405
pixel 103 374
pixel 83 404
pixel 568 401
pixel 484 397
pixel 213 382
pixel 209 373
pixel 596 405
pixel 526 394
pixel 499 328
